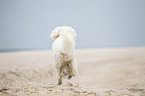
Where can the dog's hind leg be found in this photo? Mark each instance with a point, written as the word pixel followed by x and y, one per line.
pixel 71 69
pixel 59 75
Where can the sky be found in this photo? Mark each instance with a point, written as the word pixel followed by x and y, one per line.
pixel 27 24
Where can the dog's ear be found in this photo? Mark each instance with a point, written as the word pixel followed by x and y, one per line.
pixel 74 33
pixel 55 33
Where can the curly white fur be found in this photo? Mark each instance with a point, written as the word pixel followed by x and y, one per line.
pixel 64 52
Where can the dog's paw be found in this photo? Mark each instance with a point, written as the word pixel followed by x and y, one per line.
pixel 69 77
pixel 59 83
pixel 64 74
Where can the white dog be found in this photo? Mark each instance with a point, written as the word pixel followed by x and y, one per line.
pixel 64 52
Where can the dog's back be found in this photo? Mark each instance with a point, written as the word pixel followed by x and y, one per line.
pixel 64 44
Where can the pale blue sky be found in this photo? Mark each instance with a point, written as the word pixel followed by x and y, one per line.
pixel 27 24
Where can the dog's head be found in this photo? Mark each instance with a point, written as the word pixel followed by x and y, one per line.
pixel 59 31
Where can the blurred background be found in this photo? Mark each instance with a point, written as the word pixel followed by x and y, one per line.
pixel 27 24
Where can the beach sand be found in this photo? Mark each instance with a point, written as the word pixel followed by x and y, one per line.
pixel 101 72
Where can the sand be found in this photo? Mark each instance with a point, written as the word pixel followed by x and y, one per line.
pixel 101 72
